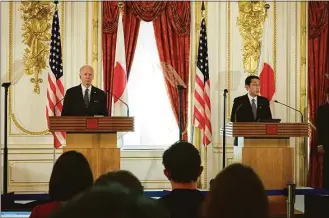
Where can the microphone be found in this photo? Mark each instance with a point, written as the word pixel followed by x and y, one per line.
pixel 301 114
pixel 225 92
pixel 237 111
pixel 57 104
pixel 109 92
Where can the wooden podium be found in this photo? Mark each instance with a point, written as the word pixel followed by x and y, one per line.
pixel 266 148
pixel 95 137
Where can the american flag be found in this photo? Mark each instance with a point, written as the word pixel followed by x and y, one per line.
pixel 55 90
pixel 202 112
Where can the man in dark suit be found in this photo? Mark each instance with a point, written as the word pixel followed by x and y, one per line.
pixel 251 107
pixel 322 129
pixel 85 99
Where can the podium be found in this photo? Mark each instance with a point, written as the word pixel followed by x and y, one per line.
pixel 266 148
pixel 94 137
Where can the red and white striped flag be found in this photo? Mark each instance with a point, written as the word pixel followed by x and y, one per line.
pixel 120 75
pixel 55 90
pixel 202 107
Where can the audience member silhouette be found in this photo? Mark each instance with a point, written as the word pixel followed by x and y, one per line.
pixel 71 175
pixel 236 192
pixel 182 163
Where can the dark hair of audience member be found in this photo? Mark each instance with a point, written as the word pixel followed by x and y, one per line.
pixel 182 162
pixel 123 177
pixel 71 175
pixel 111 200
pixel 236 192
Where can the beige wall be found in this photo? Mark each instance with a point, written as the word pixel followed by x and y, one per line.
pixel 30 149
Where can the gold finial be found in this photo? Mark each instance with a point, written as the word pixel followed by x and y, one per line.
pixel 121 5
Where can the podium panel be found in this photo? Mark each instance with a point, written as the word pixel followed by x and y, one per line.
pixel 95 137
pixel 100 150
pixel 266 148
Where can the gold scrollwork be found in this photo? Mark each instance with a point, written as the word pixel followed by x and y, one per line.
pixel 36 35
pixel 251 24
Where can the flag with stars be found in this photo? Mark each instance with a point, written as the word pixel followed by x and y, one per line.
pixel 202 107
pixel 55 90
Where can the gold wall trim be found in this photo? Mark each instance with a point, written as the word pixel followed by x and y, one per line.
pixel 12 116
pixel 228 57
pixel 87 31
pixel 274 43
pixel 303 98
pixel 296 91
pixel 10 93
pixel 62 30
pixel 94 39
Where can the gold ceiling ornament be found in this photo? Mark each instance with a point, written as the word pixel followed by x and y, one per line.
pixel 36 36
pixel 252 15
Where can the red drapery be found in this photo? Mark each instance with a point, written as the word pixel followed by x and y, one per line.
pixel 171 22
pixel 317 83
pixel 110 25
pixel 172 32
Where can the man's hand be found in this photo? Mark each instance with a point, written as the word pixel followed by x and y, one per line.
pixel 320 149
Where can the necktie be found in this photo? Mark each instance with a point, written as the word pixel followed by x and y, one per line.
pixel 254 108
pixel 86 98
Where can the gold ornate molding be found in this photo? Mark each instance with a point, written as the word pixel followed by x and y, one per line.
pixel 303 98
pixel 87 32
pixel 36 35
pixel 251 20
pixel 229 57
pixel 94 45
pixel 12 116
pixel 274 43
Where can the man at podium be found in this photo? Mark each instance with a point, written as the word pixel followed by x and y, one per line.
pixel 322 130
pixel 251 107
pixel 85 99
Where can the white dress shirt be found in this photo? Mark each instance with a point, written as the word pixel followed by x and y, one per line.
pixel 250 99
pixel 84 89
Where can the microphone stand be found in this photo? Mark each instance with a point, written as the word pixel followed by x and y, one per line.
pixel 180 94
pixel 224 127
pixel 5 150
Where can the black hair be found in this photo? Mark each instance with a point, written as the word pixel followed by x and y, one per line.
pixel 123 177
pixel 183 162
pixel 70 176
pixel 111 200
pixel 249 79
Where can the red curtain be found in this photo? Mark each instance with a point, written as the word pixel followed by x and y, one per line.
pixel 172 32
pixel 110 26
pixel 171 22
pixel 317 83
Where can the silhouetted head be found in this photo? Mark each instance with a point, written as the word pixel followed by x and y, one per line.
pixel 236 192
pixel 182 163
pixel 111 201
pixel 123 177
pixel 71 175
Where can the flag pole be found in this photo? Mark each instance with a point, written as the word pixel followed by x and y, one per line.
pixel 54 149
pixel 5 149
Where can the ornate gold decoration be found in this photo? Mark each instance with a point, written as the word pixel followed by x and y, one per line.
pixel 229 57
pixel 36 35
pixel 87 32
pixel 251 24
pixel 94 40
pixel 274 43
pixel 303 87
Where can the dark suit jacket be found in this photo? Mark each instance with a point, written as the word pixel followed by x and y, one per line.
pixel 74 104
pixel 242 112
pixel 322 126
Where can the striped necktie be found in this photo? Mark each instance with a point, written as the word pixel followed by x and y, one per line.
pixel 86 98
pixel 254 108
